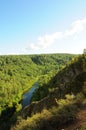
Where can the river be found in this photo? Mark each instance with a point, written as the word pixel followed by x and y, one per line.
pixel 27 96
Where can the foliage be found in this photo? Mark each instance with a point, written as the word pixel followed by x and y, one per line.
pixel 51 119
pixel 19 72
pixel 69 83
pixel 83 128
pixel 67 79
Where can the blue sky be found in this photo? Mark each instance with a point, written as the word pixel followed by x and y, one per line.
pixel 42 26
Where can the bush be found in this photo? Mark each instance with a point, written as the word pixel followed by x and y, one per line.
pixel 83 128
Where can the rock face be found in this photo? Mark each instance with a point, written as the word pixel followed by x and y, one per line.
pixel 70 79
pixel 45 103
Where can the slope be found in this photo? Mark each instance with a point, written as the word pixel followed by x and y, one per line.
pixel 60 106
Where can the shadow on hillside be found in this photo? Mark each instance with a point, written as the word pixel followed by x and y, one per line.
pixel 7 119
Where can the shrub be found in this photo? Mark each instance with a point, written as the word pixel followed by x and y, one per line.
pixel 83 128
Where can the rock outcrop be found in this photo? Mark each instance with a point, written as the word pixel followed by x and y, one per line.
pixel 70 79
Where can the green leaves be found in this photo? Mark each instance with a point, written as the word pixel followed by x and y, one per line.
pixel 19 72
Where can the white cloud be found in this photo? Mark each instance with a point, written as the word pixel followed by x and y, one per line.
pixel 46 40
pixel 77 27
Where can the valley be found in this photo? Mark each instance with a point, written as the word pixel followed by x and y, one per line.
pixel 18 73
pixel 64 104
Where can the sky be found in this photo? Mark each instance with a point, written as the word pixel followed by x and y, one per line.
pixel 42 26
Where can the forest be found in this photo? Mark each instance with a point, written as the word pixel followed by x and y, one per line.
pixel 19 72
pixel 58 103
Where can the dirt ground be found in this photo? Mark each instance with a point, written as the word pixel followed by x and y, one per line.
pixel 80 121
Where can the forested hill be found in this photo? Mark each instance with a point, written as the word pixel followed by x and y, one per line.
pixel 19 72
pixel 69 80
pixel 66 96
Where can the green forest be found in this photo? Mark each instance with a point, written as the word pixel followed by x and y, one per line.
pixel 19 72
pixel 58 76
pixel 60 102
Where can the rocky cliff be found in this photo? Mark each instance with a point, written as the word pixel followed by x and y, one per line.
pixel 69 80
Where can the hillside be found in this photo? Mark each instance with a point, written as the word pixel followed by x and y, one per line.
pixel 66 80
pixel 80 122
pixel 58 109
pixel 17 74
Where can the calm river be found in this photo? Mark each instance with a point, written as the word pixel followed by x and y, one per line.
pixel 27 96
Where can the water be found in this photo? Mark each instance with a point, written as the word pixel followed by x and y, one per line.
pixel 27 96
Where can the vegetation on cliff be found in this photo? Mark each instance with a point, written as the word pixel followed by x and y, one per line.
pixel 66 98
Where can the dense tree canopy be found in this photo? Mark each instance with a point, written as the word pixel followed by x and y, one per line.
pixel 17 73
